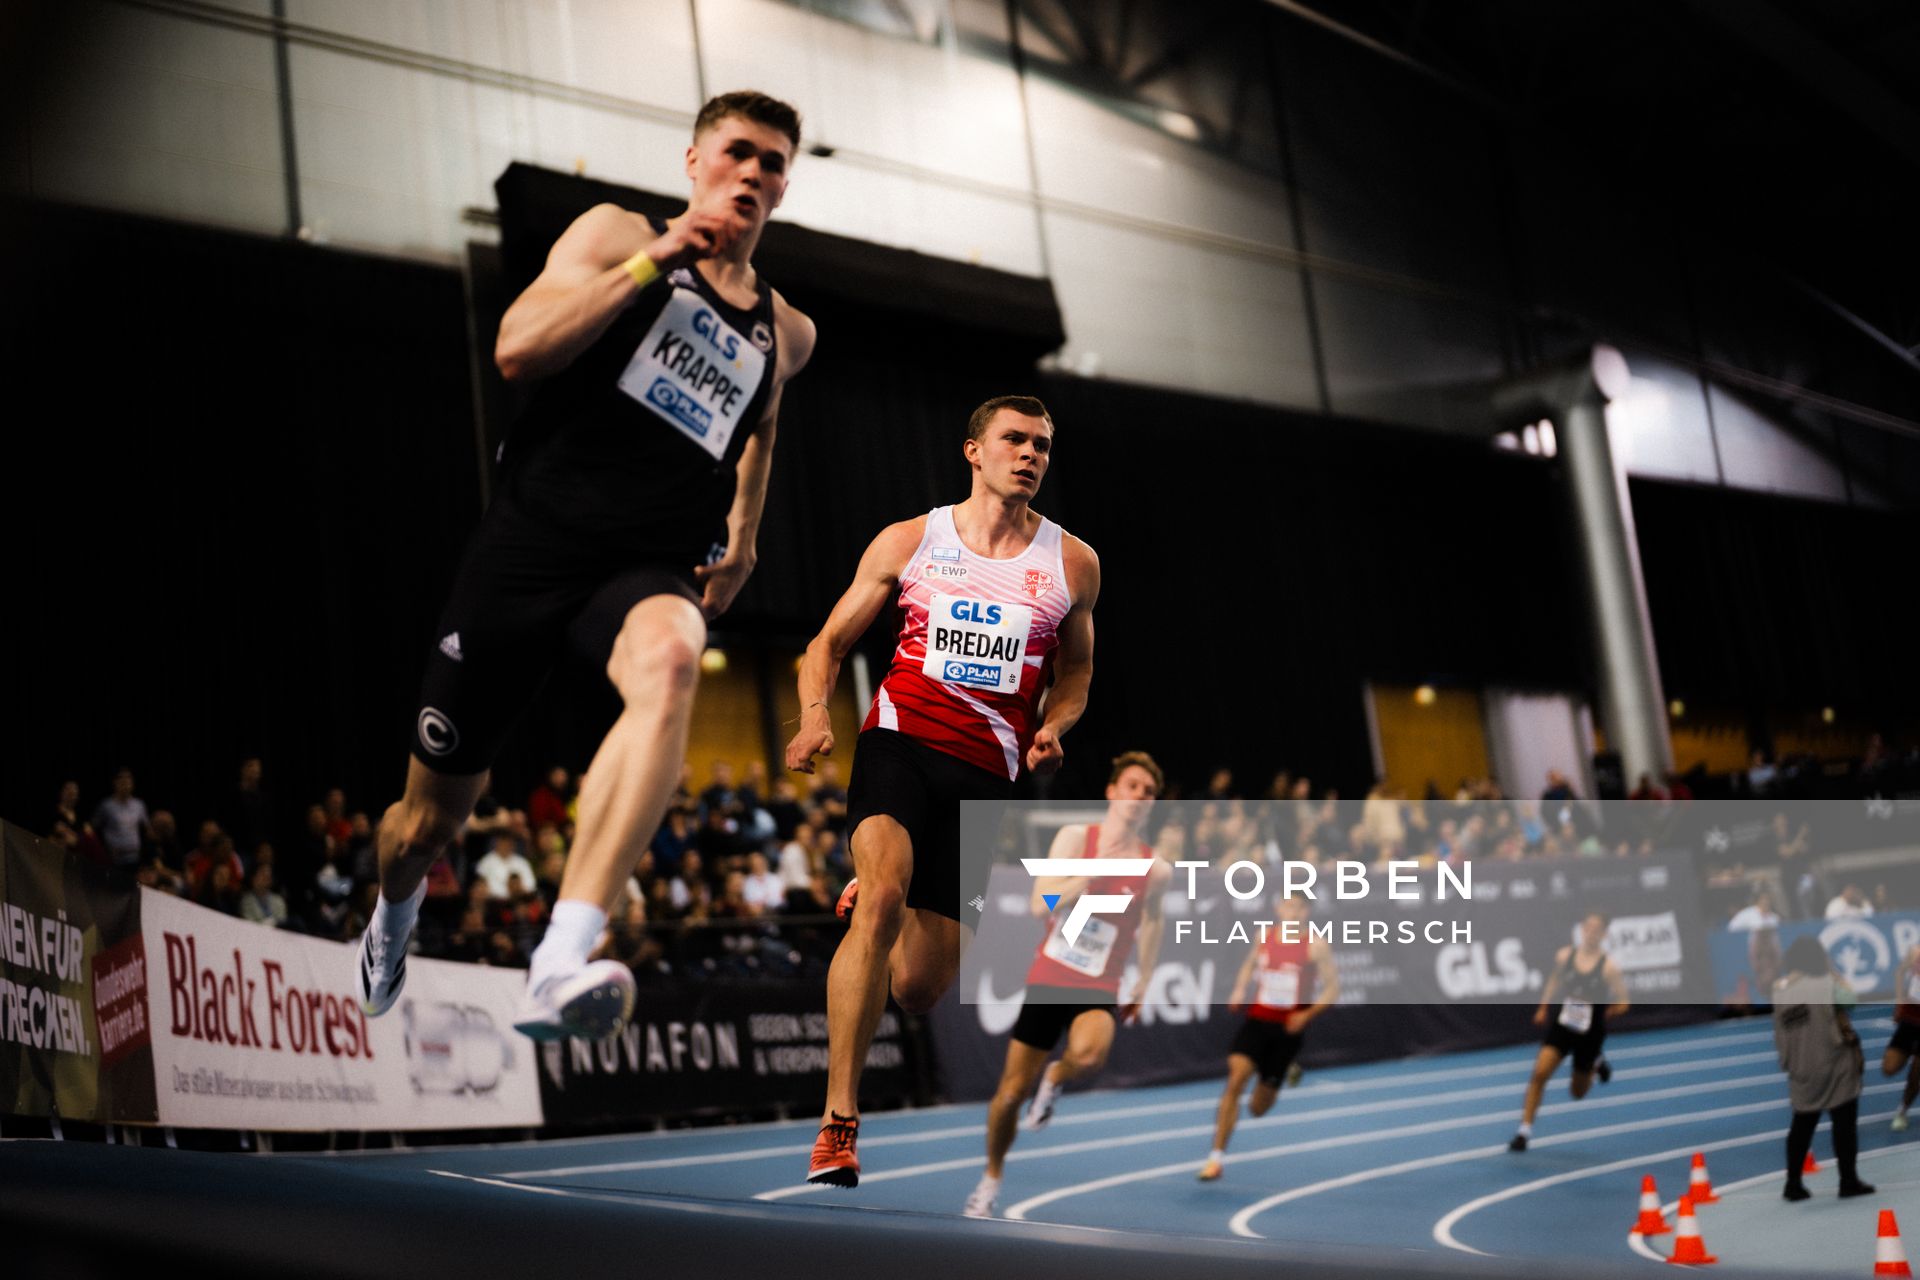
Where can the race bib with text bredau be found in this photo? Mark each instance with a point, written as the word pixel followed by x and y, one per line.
pixel 980 644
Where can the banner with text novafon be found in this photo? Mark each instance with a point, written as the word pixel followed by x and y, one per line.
pixel 254 1028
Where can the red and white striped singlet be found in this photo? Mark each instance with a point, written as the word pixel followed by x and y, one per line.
pixel 976 646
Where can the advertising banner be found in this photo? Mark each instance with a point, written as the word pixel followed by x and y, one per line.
pixel 713 1047
pixel 1865 950
pixel 74 1034
pixel 255 1028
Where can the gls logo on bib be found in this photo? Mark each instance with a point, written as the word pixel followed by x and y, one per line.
pixel 977 643
pixel 695 371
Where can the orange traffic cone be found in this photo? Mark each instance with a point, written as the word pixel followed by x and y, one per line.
pixel 1811 1165
pixel 1889 1255
pixel 1688 1247
pixel 1699 1186
pixel 1652 1222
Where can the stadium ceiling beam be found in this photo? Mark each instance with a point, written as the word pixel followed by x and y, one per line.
pixel 1392 54
pixel 1818 66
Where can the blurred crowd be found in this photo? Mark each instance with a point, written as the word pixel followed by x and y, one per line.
pixel 742 876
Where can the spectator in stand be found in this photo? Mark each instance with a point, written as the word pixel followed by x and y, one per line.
pixel 503 862
pixel 796 868
pixel 716 839
pixel 547 806
pixel 1220 785
pixel 526 914
pixel 166 839
pixel 122 824
pixel 316 845
pixel 733 903
pixel 756 822
pixel 1883 899
pixel 71 832
pixel 829 796
pixel 1758 914
pixel 247 813
pixel 214 850
pixel 672 841
pixel 552 868
pixel 155 874
pixel 1850 904
pixel 260 904
pixel 689 887
pixel 1383 827
pixel 362 857
pixel 339 824
pixel 832 852
pixel 1761 775
pixel 468 943
pixel 490 818
pixel 720 795
pixel 1648 789
pixel 784 807
pixel 764 890
pixel 333 899
pixel 220 891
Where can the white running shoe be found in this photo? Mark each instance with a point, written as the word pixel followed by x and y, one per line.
pixel 590 1003
pixel 381 972
pixel 1900 1122
pixel 1040 1110
pixel 984 1200
pixel 1211 1170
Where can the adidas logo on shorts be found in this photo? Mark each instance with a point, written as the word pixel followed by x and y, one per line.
pixel 451 646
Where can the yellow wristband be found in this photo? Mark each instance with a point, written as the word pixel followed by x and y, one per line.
pixel 642 268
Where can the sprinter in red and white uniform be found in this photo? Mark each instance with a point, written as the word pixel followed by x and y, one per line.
pixel 1075 986
pixel 991 671
pixel 1294 981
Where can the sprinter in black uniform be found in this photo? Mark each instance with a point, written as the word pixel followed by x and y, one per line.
pixel 1588 985
pixel 626 518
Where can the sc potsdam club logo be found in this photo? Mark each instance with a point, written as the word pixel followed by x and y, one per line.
pixel 1088 905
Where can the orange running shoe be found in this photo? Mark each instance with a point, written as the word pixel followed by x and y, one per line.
pixel 835 1162
pixel 848 897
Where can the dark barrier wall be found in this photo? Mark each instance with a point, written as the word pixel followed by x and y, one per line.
pixel 721 1048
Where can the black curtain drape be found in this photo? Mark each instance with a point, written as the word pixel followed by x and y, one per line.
pixel 246 467
pixel 239 472
pixel 1778 605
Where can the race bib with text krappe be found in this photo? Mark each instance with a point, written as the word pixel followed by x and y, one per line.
pixel 695 371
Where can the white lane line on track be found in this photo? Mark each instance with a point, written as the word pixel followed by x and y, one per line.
pixel 1240 1220
pixel 1292 1117
pixel 1208 1104
pixel 771 1126
pixel 1638 1244
pixel 1020 1210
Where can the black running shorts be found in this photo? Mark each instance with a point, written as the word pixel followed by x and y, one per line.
pixel 1582 1046
pixel 1046 1014
pixel 526 592
pixel 1906 1038
pixel 1271 1046
pixel 921 789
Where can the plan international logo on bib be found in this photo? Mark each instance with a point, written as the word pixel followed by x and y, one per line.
pixel 1088 905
